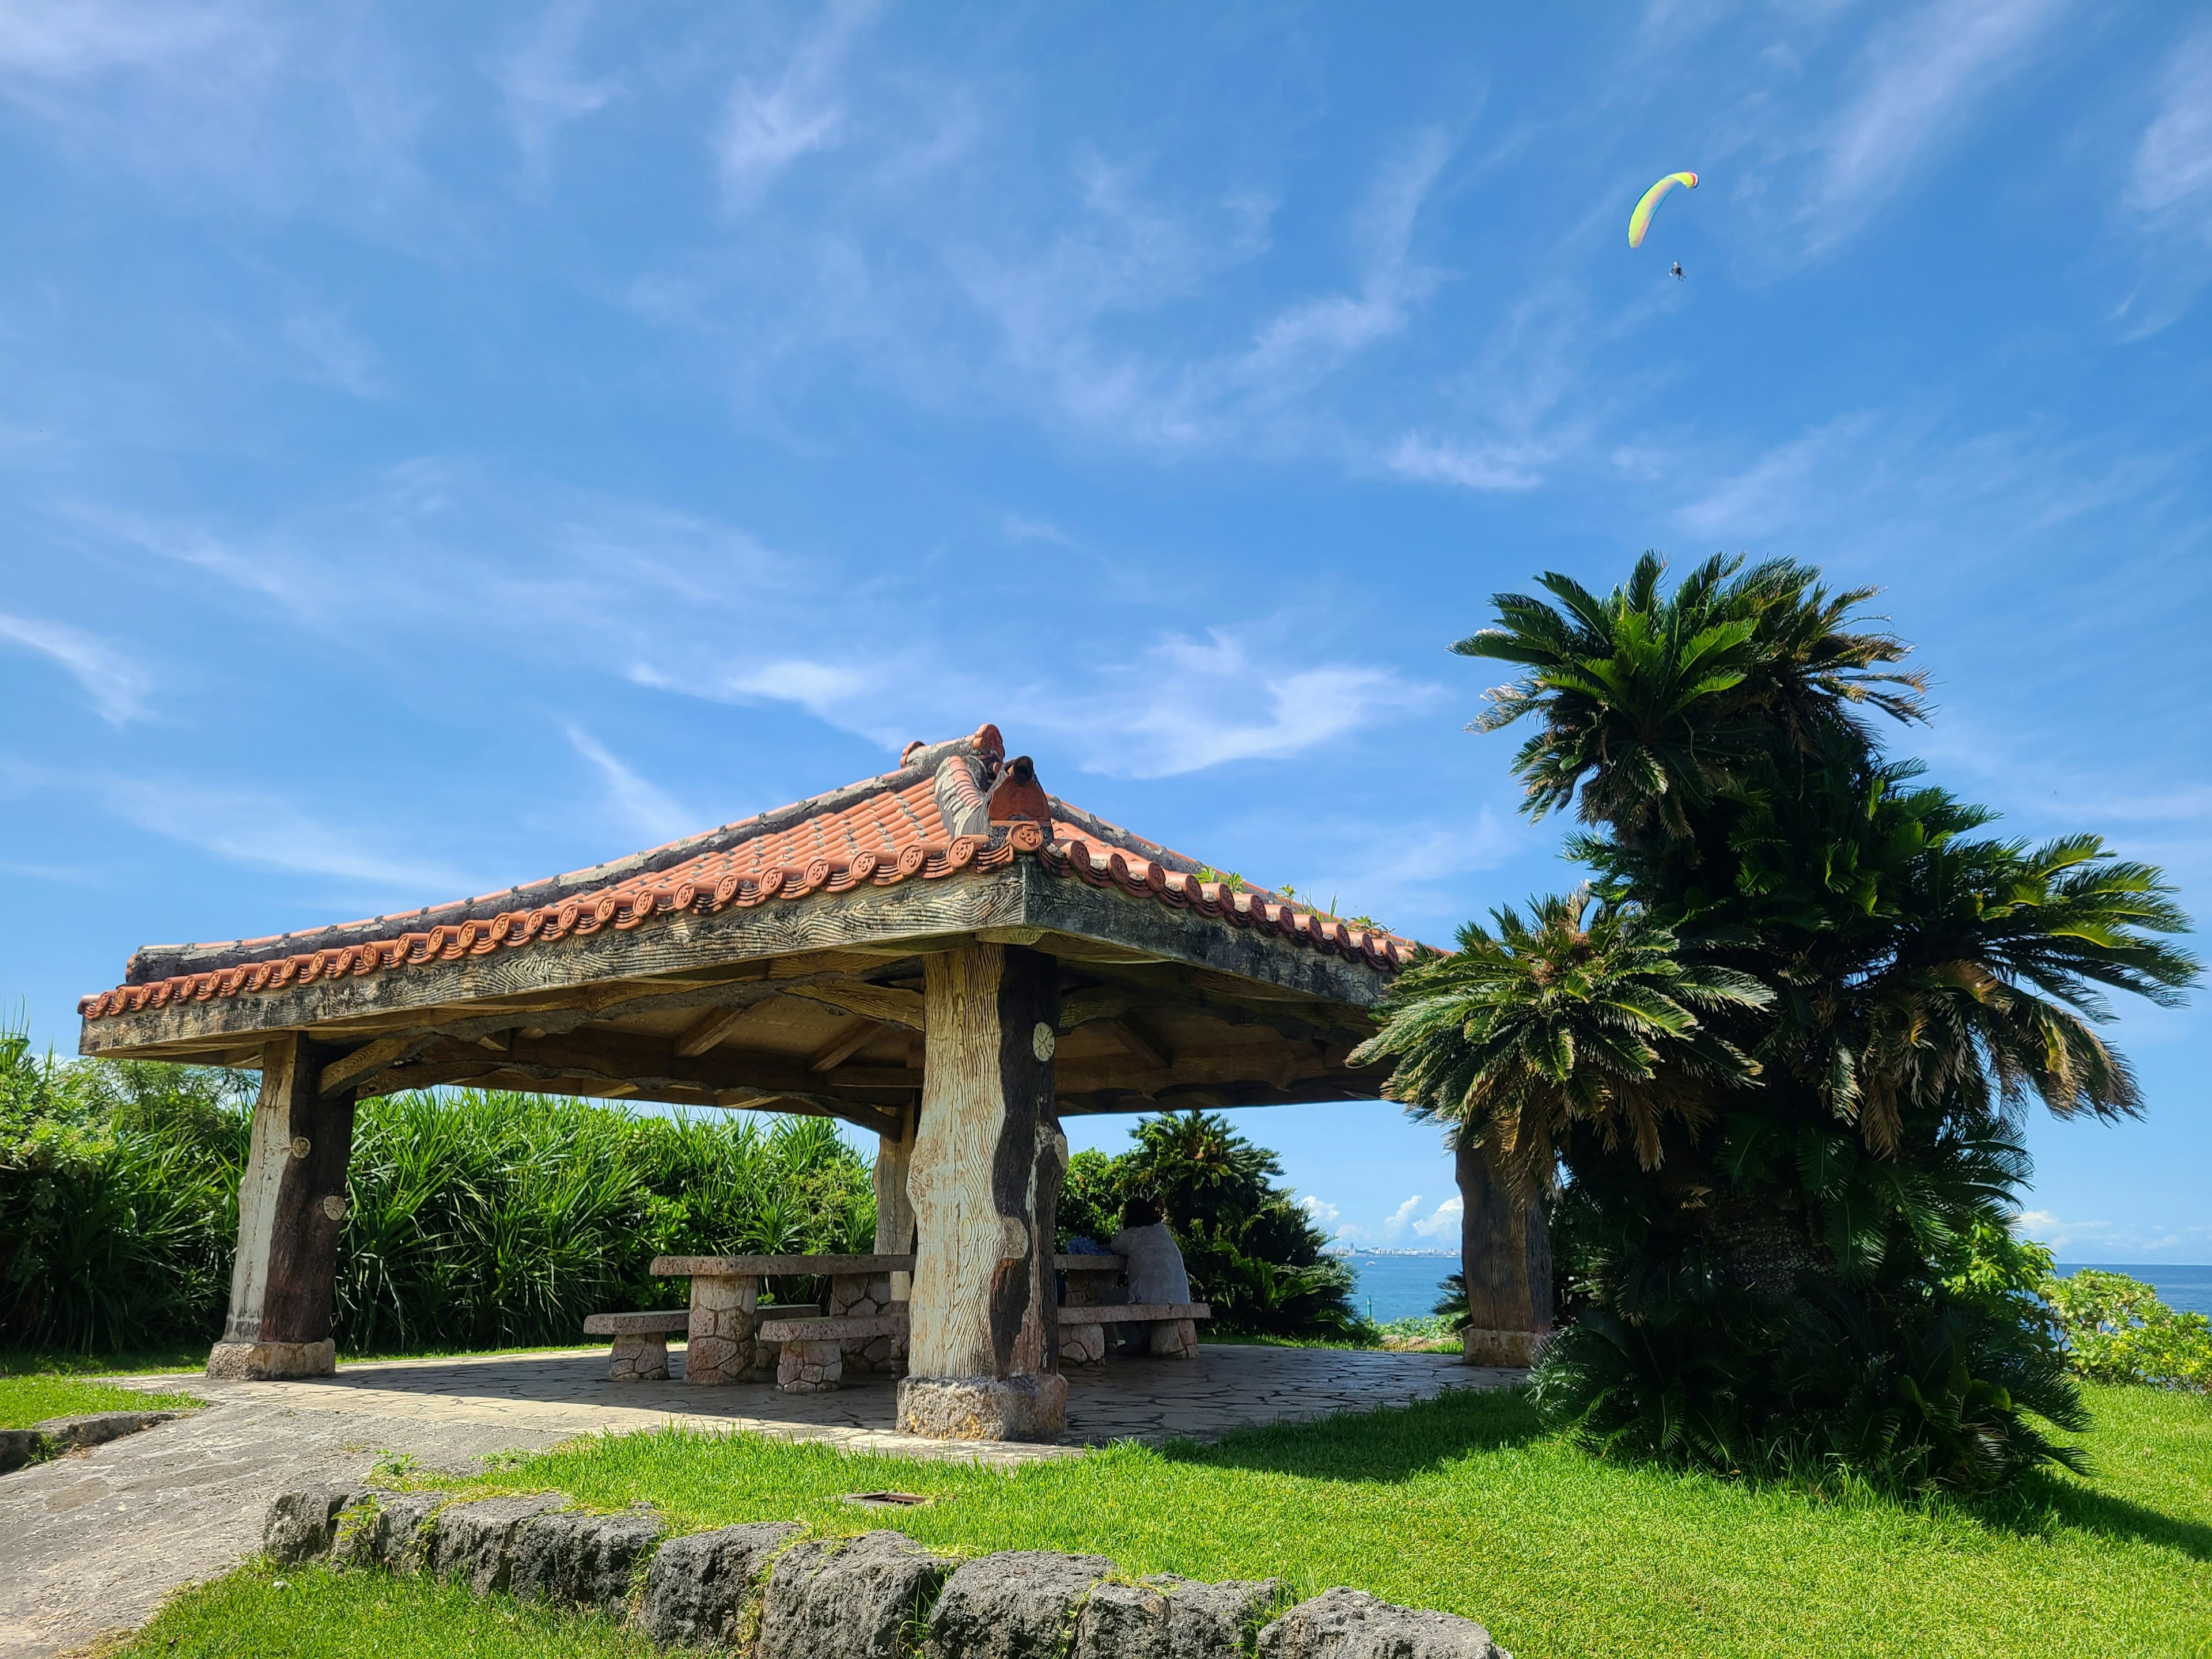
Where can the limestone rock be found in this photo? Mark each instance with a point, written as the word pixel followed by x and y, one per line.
pixel 848 1598
pixel 1349 1623
pixel 263 1362
pixel 474 1544
pixel 1171 1618
pixel 984 1407
pixel 589 1561
pixel 302 1524
pixel 703 1589
pixel 387 1530
pixel 19 1447
pixel 1015 1606
pixel 98 1428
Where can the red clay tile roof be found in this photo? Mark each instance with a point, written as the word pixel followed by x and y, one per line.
pixel 950 807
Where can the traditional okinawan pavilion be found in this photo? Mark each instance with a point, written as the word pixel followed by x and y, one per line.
pixel 945 954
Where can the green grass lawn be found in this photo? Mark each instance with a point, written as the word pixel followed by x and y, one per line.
pixel 1464 1504
pixel 27 1399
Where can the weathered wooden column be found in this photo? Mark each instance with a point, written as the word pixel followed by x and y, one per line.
pixel 291 1206
pixel 983 1344
pixel 894 1209
pixel 1505 1251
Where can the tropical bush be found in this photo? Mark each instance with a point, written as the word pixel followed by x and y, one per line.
pixel 474 1220
pixel 119 1199
pixel 2117 1330
pixel 1777 1050
pixel 1253 1255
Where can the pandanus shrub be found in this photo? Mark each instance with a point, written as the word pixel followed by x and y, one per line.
pixel 474 1220
pixel 1772 1065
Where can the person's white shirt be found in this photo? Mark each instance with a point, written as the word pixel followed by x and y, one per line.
pixel 1156 1270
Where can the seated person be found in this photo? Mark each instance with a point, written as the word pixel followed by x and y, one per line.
pixel 1156 1270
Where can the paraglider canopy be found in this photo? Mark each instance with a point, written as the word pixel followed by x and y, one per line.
pixel 1640 221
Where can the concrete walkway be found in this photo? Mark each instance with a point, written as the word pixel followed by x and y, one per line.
pixel 94 1542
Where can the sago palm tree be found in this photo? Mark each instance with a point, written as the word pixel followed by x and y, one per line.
pixel 1646 702
pixel 1584 1013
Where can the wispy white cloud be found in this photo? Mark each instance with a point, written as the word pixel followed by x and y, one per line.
pixel 116 683
pixel 1191 703
pixel 190 544
pixel 766 126
pixel 1018 527
pixel 328 352
pixel 98 37
pixel 1922 78
pixel 264 830
pixel 643 805
pixel 2170 174
pixel 2168 192
pixel 1774 492
pixel 1310 338
pixel 1475 464
pixel 545 90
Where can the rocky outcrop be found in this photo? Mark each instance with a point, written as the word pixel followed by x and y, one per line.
pixel 704 1589
pixel 474 1543
pixel 763 1591
pixel 1171 1618
pixel 1350 1624
pixel 584 1560
pixel 388 1530
pixel 56 1435
pixel 1021 1604
pixel 303 1523
pixel 848 1598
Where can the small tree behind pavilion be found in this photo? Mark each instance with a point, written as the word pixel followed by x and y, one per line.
pixel 1255 1255
pixel 1779 1048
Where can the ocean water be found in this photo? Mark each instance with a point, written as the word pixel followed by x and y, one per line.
pixel 1401 1286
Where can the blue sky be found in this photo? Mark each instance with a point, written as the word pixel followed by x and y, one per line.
pixel 442 446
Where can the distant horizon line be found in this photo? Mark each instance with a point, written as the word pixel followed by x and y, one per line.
pixel 1345 1247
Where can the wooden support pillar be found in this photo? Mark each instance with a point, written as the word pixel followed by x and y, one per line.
pixel 1505 1251
pixel 291 1207
pixel 894 1209
pixel 983 1344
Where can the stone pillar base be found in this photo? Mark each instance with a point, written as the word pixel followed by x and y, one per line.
pixel 984 1407
pixel 638 1359
pixel 1174 1338
pixel 719 1345
pixel 1082 1345
pixel 261 1362
pixel 1507 1349
pixel 809 1367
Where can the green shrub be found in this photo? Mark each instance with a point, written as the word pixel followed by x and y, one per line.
pixel 2117 1330
pixel 1254 1255
pixel 474 1220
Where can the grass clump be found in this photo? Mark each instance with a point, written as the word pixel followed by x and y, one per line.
pixel 25 1401
pixel 313 1613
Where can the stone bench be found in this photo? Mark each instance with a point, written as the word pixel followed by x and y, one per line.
pixel 726 1312
pixel 640 1347
pixel 810 1352
pixel 1174 1333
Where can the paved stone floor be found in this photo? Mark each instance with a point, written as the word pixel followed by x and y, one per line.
pixel 93 1541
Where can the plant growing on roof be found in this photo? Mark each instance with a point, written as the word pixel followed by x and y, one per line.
pixel 1781 1049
